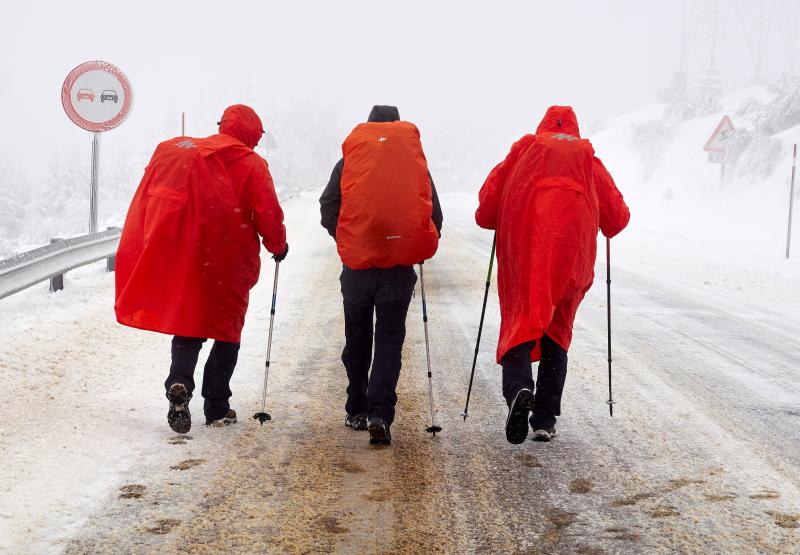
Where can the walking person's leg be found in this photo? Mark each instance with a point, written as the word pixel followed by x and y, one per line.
pixel 553 367
pixel 179 384
pixel 518 390
pixel 517 370
pixel 549 387
pixel 357 357
pixel 390 334
pixel 358 294
pixel 216 388
pixel 392 299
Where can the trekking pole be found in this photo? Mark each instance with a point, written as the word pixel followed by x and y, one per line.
pixel 263 416
pixel 433 428
pixel 608 305
pixel 480 326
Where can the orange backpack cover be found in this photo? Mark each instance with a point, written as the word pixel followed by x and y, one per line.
pixel 385 217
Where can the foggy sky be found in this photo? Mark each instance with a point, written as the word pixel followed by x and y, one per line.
pixel 484 67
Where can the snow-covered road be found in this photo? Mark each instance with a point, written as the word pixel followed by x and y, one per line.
pixel 702 453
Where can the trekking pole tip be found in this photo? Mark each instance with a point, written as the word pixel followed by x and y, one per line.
pixel 611 404
pixel 464 414
pixel 433 430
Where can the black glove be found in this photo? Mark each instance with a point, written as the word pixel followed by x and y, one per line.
pixel 280 257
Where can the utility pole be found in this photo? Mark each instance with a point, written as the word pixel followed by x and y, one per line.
pixel 793 56
pixel 684 32
pixel 759 43
pixel 791 202
pixel 713 17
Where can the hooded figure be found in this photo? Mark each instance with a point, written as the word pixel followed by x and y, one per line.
pixel 189 251
pixel 388 220
pixel 546 201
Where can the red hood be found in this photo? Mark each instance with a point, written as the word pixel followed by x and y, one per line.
pixel 559 119
pixel 241 122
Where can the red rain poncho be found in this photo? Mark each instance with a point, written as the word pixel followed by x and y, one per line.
pixel 189 252
pixel 546 200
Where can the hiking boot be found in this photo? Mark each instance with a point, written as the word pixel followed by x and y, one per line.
pixel 517 420
pixel 229 418
pixel 356 421
pixel 544 434
pixel 378 432
pixel 178 417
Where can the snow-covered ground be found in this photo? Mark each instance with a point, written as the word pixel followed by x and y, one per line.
pixel 702 452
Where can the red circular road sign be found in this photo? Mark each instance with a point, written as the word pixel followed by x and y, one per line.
pixel 96 96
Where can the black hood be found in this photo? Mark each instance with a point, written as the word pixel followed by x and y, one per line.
pixel 383 114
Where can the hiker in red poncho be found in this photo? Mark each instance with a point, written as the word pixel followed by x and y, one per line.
pixel 546 200
pixel 189 254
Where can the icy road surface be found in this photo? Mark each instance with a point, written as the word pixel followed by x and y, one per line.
pixel 702 454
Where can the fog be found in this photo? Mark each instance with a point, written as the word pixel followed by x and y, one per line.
pixel 473 76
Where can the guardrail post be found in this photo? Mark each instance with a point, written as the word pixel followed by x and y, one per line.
pixel 111 261
pixel 57 281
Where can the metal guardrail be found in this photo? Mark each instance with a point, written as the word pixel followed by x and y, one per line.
pixel 54 260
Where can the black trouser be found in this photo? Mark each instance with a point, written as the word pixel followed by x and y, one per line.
pixel 217 374
pixel 518 374
pixel 388 293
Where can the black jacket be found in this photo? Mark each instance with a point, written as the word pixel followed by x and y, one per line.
pixel 331 200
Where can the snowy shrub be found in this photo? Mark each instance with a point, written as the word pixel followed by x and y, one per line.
pixel 592 126
pixel 12 216
pixel 754 151
pixel 739 142
pixel 304 145
pixel 750 111
pixel 758 157
pixel 684 107
pixel 783 111
pixel 15 200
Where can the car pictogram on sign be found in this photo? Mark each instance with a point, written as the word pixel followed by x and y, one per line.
pixel 109 95
pixel 85 94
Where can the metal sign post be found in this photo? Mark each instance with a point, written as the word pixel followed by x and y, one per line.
pixel 791 203
pixel 95 180
pixel 97 97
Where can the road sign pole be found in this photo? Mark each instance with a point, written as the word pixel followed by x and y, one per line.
pixel 93 192
pixel 791 202
pixel 97 97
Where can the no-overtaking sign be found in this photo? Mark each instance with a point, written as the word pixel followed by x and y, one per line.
pixel 96 96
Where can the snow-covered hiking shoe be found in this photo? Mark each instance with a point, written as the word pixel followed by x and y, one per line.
pixel 544 434
pixel 517 420
pixel 378 432
pixel 178 417
pixel 229 418
pixel 356 421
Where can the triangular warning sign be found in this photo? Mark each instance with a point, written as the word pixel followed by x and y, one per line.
pixel 721 137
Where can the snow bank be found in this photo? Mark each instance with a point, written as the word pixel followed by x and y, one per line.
pixel 690 225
